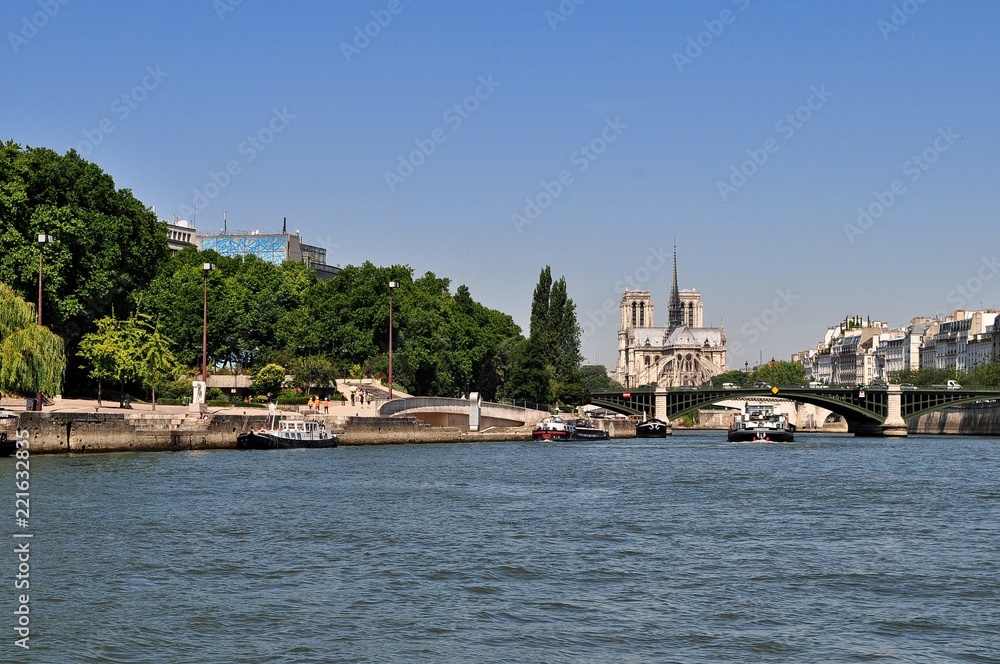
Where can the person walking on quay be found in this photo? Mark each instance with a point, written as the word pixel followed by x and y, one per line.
pixel 343 400
pixel 326 406
pixel 352 399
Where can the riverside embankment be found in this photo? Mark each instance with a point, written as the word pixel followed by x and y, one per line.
pixel 61 432
pixel 83 428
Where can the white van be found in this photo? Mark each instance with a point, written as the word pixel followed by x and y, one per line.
pixel 816 385
pixel 730 386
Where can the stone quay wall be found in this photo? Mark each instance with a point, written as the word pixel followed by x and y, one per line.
pixel 972 420
pixel 80 432
pixel 116 432
pixel 77 432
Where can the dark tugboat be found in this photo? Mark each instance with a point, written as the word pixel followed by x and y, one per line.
pixel 7 445
pixel 585 430
pixel 289 434
pixel 652 428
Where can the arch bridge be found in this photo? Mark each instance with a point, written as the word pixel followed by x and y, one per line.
pixel 868 412
pixel 445 411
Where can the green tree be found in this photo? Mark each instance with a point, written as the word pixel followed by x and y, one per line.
pixel 781 372
pixel 564 333
pixel 253 308
pixel 573 394
pixel 106 243
pixel 15 313
pixel 925 376
pixel 540 328
pixel 129 351
pixel 595 377
pixel 736 377
pixel 32 357
pixel 443 345
pixel 313 371
pixel 156 363
pixel 268 379
pixel 529 378
pixel 985 375
pixel 555 342
pixel 102 350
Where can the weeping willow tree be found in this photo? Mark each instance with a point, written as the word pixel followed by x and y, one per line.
pixel 15 313
pixel 32 358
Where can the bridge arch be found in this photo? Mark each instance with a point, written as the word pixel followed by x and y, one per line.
pixel 861 408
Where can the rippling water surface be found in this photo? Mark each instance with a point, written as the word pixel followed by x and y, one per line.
pixel 687 549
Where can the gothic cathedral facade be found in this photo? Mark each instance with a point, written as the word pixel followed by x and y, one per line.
pixel 682 353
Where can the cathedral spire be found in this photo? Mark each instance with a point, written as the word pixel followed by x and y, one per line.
pixel 675 310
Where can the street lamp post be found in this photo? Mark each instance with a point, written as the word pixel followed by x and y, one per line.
pixel 42 241
pixel 206 268
pixel 392 286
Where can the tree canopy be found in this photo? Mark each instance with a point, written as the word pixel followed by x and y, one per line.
pixel 126 351
pixel 106 244
pixel 259 313
pixel 109 260
pixel 551 355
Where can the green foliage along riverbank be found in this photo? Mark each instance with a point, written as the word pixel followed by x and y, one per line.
pixel 109 262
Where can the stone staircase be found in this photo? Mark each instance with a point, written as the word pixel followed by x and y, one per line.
pixel 155 422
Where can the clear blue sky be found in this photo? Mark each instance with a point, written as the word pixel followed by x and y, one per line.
pixel 331 113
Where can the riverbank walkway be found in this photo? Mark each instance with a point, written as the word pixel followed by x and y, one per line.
pixel 112 406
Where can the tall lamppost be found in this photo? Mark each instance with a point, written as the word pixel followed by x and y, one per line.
pixel 392 286
pixel 42 241
pixel 206 268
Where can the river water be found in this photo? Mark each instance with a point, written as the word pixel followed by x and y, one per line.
pixel 687 549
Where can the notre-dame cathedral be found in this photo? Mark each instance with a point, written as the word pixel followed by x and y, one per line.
pixel 682 353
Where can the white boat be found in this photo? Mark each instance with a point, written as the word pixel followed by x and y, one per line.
pixel 287 433
pixel 553 428
pixel 761 422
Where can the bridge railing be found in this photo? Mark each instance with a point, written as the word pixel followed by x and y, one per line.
pixel 530 405
pixel 390 408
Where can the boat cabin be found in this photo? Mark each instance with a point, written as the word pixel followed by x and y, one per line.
pixel 300 430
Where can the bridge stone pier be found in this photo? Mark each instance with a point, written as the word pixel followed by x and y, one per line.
pixel 894 424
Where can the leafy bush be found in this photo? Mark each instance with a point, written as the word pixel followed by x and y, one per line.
pixel 175 390
pixel 268 379
pixel 684 421
pixel 287 399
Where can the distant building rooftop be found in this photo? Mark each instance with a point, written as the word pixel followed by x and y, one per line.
pixel 274 248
